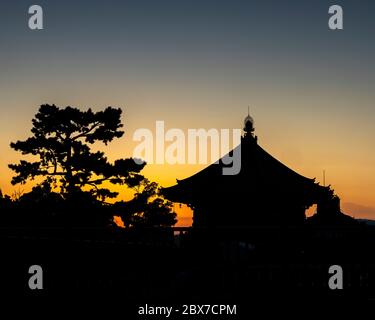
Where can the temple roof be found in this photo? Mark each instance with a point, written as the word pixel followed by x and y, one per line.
pixel 259 171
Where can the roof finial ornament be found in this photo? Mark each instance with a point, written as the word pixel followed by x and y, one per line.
pixel 248 124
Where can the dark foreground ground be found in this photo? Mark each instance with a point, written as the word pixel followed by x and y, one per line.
pixel 159 267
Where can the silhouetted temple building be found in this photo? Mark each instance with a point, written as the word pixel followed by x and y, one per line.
pixel 264 192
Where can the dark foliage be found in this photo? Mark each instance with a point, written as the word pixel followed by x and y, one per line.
pixel 62 140
pixel 147 208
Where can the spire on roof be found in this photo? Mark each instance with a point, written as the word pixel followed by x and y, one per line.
pixel 248 124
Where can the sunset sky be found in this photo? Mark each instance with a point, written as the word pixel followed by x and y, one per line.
pixel 199 64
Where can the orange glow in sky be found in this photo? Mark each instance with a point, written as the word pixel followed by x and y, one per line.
pixel 297 145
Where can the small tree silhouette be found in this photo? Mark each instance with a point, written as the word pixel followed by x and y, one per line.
pixel 62 139
pixel 147 209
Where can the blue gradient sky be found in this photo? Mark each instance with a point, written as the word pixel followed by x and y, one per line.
pixel 199 64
